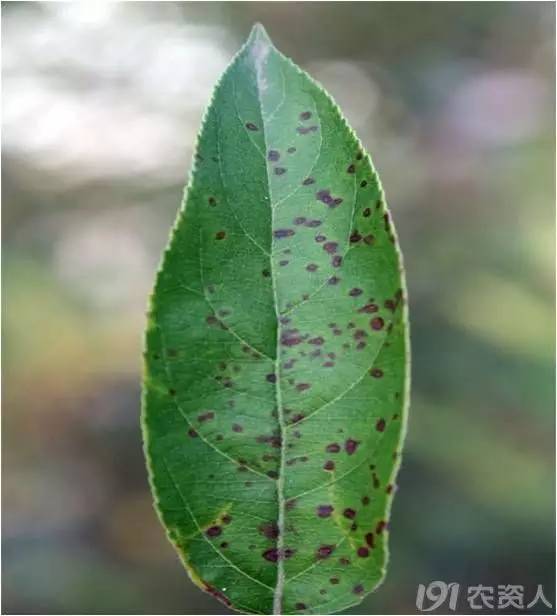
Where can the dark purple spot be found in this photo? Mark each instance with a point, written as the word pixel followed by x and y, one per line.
pixel 280 170
pixel 304 131
pixel 311 267
pixel 350 446
pixel 363 552
pixel 380 425
pixel 192 432
pixel 273 155
pixel 377 323
pixel 271 378
pixel 332 448
pixel 272 555
pixel 280 233
pixel 290 337
pixel 351 169
pixel 217 594
pixel 300 220
pixel 206 416
pixel 369 540
pixel 376 373
pixel 302 386
pixel 325 551
pixel 358 589
pixel 355 292
pixel 330 247
pixel 305 115
pixel 349 513
pixel 251 126
pixel 329 465
pixel 237 428
pixel 324 196
pixel 213 531
pixel 308 181
pixel 220 235
pixel 336 261
pixel 324 511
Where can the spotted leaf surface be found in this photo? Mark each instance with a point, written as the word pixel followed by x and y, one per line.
pixel 275 383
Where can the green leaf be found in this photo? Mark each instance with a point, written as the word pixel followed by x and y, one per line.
pixel 276 373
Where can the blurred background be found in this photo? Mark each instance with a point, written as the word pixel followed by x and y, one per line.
pixel 101 105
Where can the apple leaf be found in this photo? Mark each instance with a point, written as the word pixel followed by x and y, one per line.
pixel 277 355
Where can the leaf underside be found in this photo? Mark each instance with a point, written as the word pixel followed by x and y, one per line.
pixel 276 360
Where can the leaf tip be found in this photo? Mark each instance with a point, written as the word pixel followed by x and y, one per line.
pixel 259 36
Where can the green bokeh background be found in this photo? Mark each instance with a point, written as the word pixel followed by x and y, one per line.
pixel 101 104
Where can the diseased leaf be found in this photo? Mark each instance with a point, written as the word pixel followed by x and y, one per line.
pixel 276 371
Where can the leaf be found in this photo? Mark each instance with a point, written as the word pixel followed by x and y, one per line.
pixel 276 355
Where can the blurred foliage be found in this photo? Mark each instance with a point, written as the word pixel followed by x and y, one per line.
pixel 101 104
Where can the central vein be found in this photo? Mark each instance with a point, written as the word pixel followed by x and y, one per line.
pixel 259 53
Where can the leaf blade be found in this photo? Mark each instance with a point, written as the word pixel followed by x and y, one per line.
pixel 282 298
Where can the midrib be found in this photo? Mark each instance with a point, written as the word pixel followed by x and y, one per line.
pixel 280 580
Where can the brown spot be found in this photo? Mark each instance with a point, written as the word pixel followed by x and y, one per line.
pixel 213 531
pixel 355 237
pixel 206 416
pixel 269 530
pixel 325 551
pixel 302 386
pixel 381 525
pixel 363 552
pixel 350 446
pixel 280 233
pixel 217 594
pixel 324 511
pixel 333 448
pixel 336 261
pixel 237 428
pixel 376 373
pixel 305 115
pixel 320 238
pixel 380 425
pixel 220 235
pixel 358 589
pixel 369 540
pixel 368 308
pixel 377 323
pixel 273 155
pixel 251 126
pixel 349 513
pixel 355 292
pixel 290 337
pixel 300 606
pixel 329 465
pixel 333 280
pixel 192 433
pixel 389 489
